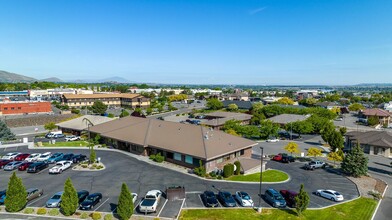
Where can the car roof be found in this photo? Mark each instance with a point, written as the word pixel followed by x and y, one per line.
pixel 153 192
pixel 31 189
pixel 59 193
pixel 95 194
pixel 273 191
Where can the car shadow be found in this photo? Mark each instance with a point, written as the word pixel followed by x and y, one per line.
pixel 378 170
pixel 383 164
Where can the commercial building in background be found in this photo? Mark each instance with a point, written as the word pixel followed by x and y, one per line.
pixel 14 95
pixel 372 142
pixel 28 107
pixel 127 100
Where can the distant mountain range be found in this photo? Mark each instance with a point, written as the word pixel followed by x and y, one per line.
pixel 8 77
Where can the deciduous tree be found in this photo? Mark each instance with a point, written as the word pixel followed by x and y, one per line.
pixel 292 147
pixel 232 107
pixel 314 152
pixel 99 108
pixel 214 104
pixel 335 156
pixel 356 107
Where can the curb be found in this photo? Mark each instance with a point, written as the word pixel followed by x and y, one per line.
pixel 35 215
pixel 379 202
pixel 248 182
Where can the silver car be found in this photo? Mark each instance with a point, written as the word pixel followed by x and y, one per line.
pixel 13 165
pixel 55 201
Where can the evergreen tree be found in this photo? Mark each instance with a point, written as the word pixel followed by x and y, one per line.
pixel 16 194
pixel 301 200
pixel 5 132
pixel 355 163
pixel 93 155
pixel 125 203
pixel 69 199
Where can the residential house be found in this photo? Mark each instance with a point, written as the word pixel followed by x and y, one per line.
pixel 372 142
pixel 383 116
pixel 216 120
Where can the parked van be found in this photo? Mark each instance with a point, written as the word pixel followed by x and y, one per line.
pixel 52 134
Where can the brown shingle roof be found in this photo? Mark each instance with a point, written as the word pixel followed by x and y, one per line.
pixel 186 139
pixel 374 138
pixel 375 112
pixel 97 96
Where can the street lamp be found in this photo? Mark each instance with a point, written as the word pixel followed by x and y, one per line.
pixel 261 176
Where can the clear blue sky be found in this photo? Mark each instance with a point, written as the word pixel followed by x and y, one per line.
pixel 205 41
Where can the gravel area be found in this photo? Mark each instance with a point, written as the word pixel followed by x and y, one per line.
pixel 37 120
pixel 367 183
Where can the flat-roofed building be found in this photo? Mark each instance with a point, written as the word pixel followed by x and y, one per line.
pixel 25 107
pixel 116 100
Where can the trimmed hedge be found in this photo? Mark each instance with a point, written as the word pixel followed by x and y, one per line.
pixel 228 170
pixel 41 211
pixel 238 168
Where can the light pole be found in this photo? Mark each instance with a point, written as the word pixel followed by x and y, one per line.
pixel 261 177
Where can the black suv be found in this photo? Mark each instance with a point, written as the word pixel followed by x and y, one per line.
pixel 37 166
pixel 287 159
pixel 79 158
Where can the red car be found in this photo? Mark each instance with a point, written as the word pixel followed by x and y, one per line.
pixel 289 196
pixel 21 157
pixel 4 162
pixel 24 166
pixel 277 157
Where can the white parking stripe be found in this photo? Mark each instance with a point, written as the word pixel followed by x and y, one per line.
pixel 134 208
pixel 34 201
pixel 202 203
pixel 162 208
pixel 101 204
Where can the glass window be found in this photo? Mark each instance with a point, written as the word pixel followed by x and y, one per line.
pixel 177 156
pixel 188 159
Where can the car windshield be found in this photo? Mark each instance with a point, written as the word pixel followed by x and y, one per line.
pixel 245 196
pixel 56 197
pixel 278 197
pixel 227 195
pixel 336 193
pixel 89 199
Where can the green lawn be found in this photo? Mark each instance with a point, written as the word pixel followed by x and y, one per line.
pixel 67 144
pixel 268 176
pixel 361 209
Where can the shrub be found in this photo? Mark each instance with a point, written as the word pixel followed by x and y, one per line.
pixel 376 195
pixel 212 174
pixel 152 157
pixel 96 215
pixel 84 215
pixel 54 212
pixel 228 170
pixel 238 167
pixel 84 165
pixel 201 170
pixel 159 158
pixel 220 177
pixel 28 211
pixel 41 211
pixel 108 217
pixel 99 167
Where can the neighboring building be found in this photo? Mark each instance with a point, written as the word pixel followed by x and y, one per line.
pixel 14 95
pixel 28 107
pixel 183 144
pixel 372 142
pixel 388 106
pixel 216 120
pixel 284 119
pixel 328 105
pixel 305 94
pixel 78 125
pixel 270 99
pixel 241 104
pixel 240 96
pixel 119 100
pixel 383 116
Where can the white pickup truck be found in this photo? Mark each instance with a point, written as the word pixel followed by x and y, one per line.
pixel 60 166
pixel 314 165
pixel 150 201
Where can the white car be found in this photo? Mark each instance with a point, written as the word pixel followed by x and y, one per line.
pixel 150 201
pixel 11 156
pixel 45 156
pixel 60 166
pixel 134 197
pixel 272 140
pixel 330 194
pixel 72 138
pixel 244 199
pixel 33 157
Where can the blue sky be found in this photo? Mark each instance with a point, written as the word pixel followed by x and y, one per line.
pixel 330 42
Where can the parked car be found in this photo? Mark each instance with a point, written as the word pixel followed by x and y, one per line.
pixel 37 166
pixel 2 197
pixel 289 196
pixel 60 167
pixel 4 162
pixel 90 201
pixel 33 157
pixel 134 197
pixel 209 199
pixel 79 158
pixel 279 157
pixel 68 157
pixel 150 201
pixel 44 157
pixel 330 194
pixel 55 201
pixel 244 199
pixel 56 136
pixel 274 198
pixel 226 199
pixel 72 138
pixel 314 165
pixel 13 165
pixel 56 157
pixel 34 193
pixel 21 157
pixel 82 195
pixel 10 156
pixel 273 140
pixel 287 158
pixel 51 134
pixel 24 166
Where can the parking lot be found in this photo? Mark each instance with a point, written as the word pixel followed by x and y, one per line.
pixel 142 177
